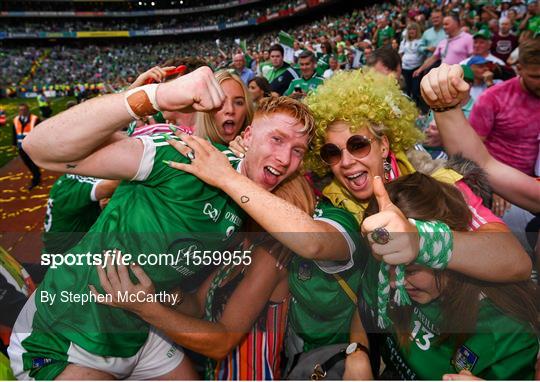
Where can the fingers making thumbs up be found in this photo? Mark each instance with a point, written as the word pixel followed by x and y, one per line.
pixel 383 199
pixel 390 235
pixel 444 86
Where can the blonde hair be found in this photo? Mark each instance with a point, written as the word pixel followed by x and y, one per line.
pixel 418 30
pixel 297 191
pixel 205 123
pixel 290 106
pixel 362 99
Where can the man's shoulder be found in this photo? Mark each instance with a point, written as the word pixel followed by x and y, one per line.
pixel 443 43
pixel 496 96
pixel 505 87
pixel 465 36
pixel 279 71
pixel 495 60
pixel 297 81
pixel 291 71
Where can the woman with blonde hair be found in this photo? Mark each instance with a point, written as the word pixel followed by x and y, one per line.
pixel 233 117
pixel 412 57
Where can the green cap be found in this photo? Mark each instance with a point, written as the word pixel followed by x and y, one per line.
pixel 467 73
pixel 483 33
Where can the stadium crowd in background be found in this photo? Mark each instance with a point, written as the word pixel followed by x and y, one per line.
pixel 351 35
pixel 391 152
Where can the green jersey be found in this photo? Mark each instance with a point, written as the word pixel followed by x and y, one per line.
pixel 534 24
pixel 161 211
pixel 71 210
pixel 387 33
pixel 320 311
pixel 281 77
pixel 502 348
pixel 323 63
pixel 264 68
pixel 306 85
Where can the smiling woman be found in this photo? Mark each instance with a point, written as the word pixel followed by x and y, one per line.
pixel 233 117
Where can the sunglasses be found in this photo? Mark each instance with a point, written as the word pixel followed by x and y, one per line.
pixel 358 146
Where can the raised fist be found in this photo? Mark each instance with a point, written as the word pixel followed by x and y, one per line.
pixel 444 86
pixel 196 91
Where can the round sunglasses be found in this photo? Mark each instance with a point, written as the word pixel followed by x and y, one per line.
pixel 358 146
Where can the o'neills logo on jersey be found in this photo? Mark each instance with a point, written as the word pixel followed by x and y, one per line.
pixel 211 212
pixel 233 218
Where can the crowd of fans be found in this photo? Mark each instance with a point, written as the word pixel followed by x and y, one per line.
pixel 418 124
pixel 352 36
pixel 93 24
pixel 100 6
pixel 25 25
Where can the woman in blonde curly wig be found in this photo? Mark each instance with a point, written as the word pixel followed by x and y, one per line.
pixel 234 116
pixel 364 127
pixel 365 104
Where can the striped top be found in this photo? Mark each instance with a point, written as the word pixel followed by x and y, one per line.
pixel 258 356
pixel 155 129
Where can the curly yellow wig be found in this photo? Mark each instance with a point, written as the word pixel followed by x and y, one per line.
pixel 362 98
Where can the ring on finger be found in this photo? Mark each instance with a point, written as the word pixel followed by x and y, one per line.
pixel 380 235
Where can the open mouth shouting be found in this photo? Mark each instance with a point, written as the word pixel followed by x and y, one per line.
pixel 271 176
pixel 358 180
pixel 229 127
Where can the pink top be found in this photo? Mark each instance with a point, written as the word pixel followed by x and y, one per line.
pixel 456 49
pixel 509 117
pixel 480 214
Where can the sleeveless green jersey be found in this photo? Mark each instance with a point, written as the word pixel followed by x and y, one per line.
pixel 71 210
pixel 161 211
pixel 320 311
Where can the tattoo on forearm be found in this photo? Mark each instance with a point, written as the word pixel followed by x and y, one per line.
pixel 71 165
pixel 244 199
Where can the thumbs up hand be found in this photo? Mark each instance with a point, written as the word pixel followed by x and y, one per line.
pixel 393 239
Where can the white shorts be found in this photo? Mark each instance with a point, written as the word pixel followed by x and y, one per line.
pixel 158 356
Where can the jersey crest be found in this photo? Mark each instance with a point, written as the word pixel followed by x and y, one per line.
pixel 464 359
pixel 211 212
pixel 304 271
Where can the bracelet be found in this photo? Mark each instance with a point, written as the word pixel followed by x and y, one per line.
pixel 443 109
pixel 141 102
pixel 436 243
